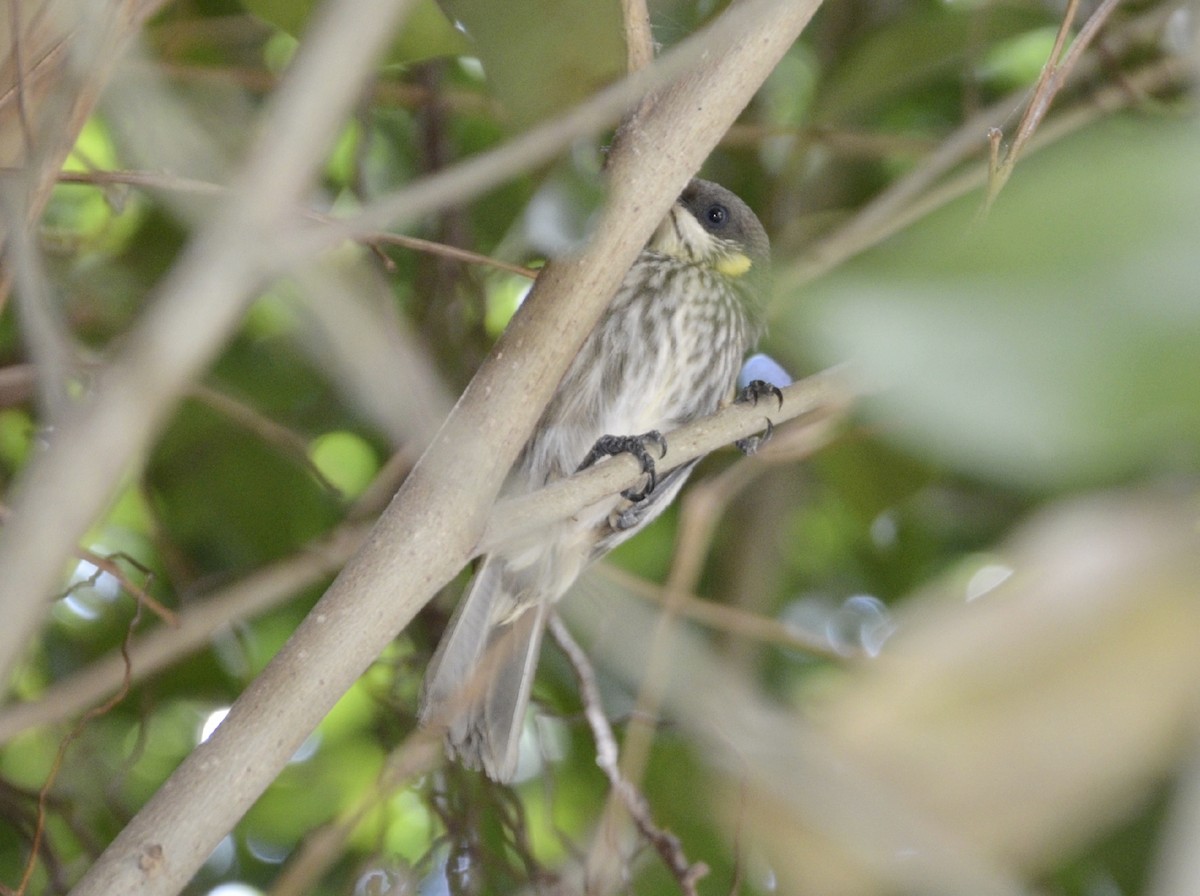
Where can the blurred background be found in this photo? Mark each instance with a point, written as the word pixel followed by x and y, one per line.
pixel 943 638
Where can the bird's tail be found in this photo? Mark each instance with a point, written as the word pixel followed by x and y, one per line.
pixel 478 682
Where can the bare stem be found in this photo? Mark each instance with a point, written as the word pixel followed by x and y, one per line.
pixel 666 844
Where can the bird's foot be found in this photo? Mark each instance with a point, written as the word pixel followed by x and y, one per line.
pixel 755 390
pixel 607 446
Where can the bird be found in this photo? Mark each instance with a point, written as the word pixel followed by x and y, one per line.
pixel 667 350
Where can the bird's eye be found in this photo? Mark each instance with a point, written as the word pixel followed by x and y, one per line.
pixel 717 215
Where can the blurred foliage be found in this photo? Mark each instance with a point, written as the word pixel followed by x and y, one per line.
pixel 1010 362
pixel 1029 356
pixel 542 57
pixel 426 35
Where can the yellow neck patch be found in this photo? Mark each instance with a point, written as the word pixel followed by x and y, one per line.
pixel 733 265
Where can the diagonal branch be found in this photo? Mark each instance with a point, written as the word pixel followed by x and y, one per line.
pixel 817 396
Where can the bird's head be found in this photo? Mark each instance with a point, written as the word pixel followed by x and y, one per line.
pixel 710 226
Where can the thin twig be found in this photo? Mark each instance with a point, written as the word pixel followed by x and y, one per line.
pixel 194 628
pixel 43 331
pixel 290 444
pixel 153 181
pixel 443 250
pixel 108 564
pixel 725 618
pixel 639 40
pixel 920 193
pixel 16 43
pixel 667 845
pixel 52 775
pixel 382 91
pixel 702 507
pixel 1043 89
pixel 1051 79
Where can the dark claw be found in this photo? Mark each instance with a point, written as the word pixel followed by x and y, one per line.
pixel 755 390
pixel 751 444
pixel 607 446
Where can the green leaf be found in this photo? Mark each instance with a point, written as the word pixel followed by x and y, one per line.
pixel 1058 342
pixel 346 460
pixel 912 53
pixel 427 33
pixel 541 57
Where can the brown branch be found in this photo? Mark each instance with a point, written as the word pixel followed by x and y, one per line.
pixel 193 630
pixel 1051 79
pixel 56 765
pixel 443 250
pixel 819 400
pixel 168 182
pixel 701 509
pixel 17 382
pixel 44 101
pixel 108 564
pixel 667 845
pixel 43 332
pixel 381 90
pixel 254 421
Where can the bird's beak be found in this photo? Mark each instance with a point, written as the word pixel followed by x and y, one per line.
pixel 735 264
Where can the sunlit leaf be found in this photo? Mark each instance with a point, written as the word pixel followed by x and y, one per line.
pixel 346 460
